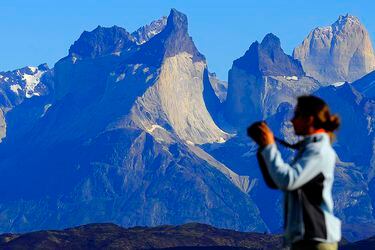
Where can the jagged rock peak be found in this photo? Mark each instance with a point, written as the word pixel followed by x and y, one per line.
pixel 172 40
pixel 271 41
pixel 101 41
pixel 337 53
pixel 269 59
pixel 177 21
pixel 346 21
pixel 145 33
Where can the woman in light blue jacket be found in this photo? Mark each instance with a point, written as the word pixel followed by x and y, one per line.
pixel 307 181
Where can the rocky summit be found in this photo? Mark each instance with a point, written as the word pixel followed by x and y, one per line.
pixel 268 58
pixel 257 78
pixel 101 41
pixel 337 53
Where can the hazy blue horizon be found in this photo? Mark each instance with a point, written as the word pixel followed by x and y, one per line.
pixel 42 31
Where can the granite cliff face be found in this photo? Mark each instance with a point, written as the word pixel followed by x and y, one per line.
pixel 337 53
pixel 176 86
pixel 220 87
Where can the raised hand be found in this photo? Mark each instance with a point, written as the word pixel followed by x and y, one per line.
pixel 261 134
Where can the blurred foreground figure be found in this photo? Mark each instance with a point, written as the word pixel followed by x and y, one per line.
pixel 307 181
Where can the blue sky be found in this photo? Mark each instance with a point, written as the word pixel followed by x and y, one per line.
pixel 38 31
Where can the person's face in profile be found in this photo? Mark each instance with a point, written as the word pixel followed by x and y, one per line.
pixel 303 125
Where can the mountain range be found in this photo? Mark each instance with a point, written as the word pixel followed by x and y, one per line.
pixel 133 129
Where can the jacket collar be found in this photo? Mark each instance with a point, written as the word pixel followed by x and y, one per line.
pixel 315 138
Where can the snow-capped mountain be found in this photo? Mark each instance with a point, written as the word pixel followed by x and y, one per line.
pixel 337 53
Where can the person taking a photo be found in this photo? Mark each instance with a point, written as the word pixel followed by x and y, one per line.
pixel 307 181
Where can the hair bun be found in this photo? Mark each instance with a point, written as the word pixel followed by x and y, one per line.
pixel 332 123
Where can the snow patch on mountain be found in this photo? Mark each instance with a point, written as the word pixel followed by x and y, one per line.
pixel 291 78
pixel 153 127
pixel 338 84
pixel 145 33
pixel 31 81
pixel 46 107
pixel 15 88
pixel 120 77
pixel 23 81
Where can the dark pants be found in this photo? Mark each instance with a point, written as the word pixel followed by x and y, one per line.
pixel 313 245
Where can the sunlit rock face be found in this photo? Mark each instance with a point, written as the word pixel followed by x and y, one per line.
pixel 187 114
pixel 220 87
pixel 337 53
pixel 173 81
pixel 262 79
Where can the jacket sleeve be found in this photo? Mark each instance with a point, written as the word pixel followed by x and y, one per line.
pixel 291 177
pixel 266 175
